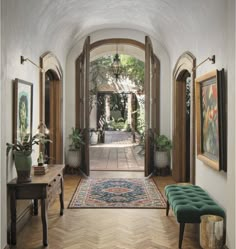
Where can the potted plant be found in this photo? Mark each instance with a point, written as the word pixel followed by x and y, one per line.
pixel 93 136
pixel 22 154
pixel 74 155
pixel 163 145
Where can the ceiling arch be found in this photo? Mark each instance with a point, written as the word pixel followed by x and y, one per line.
pixel 64 22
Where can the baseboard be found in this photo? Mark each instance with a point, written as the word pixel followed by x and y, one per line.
pixel 21 221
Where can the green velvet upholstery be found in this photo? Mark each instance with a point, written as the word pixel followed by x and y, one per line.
pixel 190 202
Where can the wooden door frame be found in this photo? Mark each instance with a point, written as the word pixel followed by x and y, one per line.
pixel 50 63
pixel 184 64
pixel 82 103
pixel 115 41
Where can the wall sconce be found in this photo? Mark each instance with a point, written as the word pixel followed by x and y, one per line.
pixel 212 59
pixel 22 60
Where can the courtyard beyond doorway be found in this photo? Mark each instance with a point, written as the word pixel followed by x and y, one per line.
pixel 117 153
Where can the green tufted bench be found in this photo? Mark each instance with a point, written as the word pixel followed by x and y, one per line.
pixel 189 203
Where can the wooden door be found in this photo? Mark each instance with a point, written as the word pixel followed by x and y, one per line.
pixel 55 127
pixel 150 106
pixel 155 91
pixel 82 102
pixel 179 152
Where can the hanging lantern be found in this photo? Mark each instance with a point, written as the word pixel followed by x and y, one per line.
pixel 116 65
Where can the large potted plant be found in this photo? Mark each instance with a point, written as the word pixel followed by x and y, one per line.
pixel 22 151
pixel 163 145
pixel 74 155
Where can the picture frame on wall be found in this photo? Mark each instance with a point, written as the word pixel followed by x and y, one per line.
pixel 211 119
pixel 22 109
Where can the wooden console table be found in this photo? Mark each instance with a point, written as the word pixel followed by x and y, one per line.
pixel 43 187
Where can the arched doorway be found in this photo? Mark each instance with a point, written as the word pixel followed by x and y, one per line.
pixel 51 111
pixel 183 167
pixel 151 89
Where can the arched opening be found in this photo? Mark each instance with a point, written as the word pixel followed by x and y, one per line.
pixel 116 114
pixel 51 113
pixel 183 167
pixel 151 89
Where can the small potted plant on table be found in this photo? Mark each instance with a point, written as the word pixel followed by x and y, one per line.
pixel 22 151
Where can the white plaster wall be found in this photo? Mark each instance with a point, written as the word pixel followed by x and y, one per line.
pixel 29 29
pixel 230 188
pixel 119 33
pixel 1 163
pixel 214 38
pixel 19 37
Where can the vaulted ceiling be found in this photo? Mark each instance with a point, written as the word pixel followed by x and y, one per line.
pixel 65 22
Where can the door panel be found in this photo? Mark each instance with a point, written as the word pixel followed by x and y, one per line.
pixel 148 107
pixel 179 133
pixel 54 121
pixel 82 102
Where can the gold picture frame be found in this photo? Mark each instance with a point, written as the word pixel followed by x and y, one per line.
pixel 210 119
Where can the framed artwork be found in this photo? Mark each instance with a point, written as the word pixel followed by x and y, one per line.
pixel 23 109
pixel 211 119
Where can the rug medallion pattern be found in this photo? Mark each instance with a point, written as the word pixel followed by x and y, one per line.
pixel 117 193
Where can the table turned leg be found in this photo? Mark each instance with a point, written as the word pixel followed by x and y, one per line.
pixel 62 197
pixel 13 216
pixel 44 218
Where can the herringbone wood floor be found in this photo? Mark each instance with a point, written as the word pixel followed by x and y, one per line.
pixel 107 228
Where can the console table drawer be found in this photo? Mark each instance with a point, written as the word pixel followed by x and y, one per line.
pixel 34 192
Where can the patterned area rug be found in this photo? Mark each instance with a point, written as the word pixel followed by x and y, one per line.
pixel 117 193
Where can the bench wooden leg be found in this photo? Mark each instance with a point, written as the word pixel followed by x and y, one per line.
pixel 167 208
pixel 181 234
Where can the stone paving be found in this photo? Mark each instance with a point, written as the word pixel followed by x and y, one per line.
pixel 118 153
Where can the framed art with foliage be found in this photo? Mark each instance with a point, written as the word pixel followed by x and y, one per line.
pixel 23 106
pixel 211 119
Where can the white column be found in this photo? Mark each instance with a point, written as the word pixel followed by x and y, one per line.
pixel 107 108
pixel 129 116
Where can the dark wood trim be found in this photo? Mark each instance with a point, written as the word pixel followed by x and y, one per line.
pixel 117 41
pixel 185 64
pixel 82 102
pixel 48 61
pixel 86 106
pixel 147 89
pixel 52 66
pixel 78 98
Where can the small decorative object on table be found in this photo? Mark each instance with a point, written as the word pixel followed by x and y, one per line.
pixel 40 170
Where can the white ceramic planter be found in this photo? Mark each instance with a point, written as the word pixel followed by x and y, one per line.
pixel 93 137
pixel 161 159
pixel 74 158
